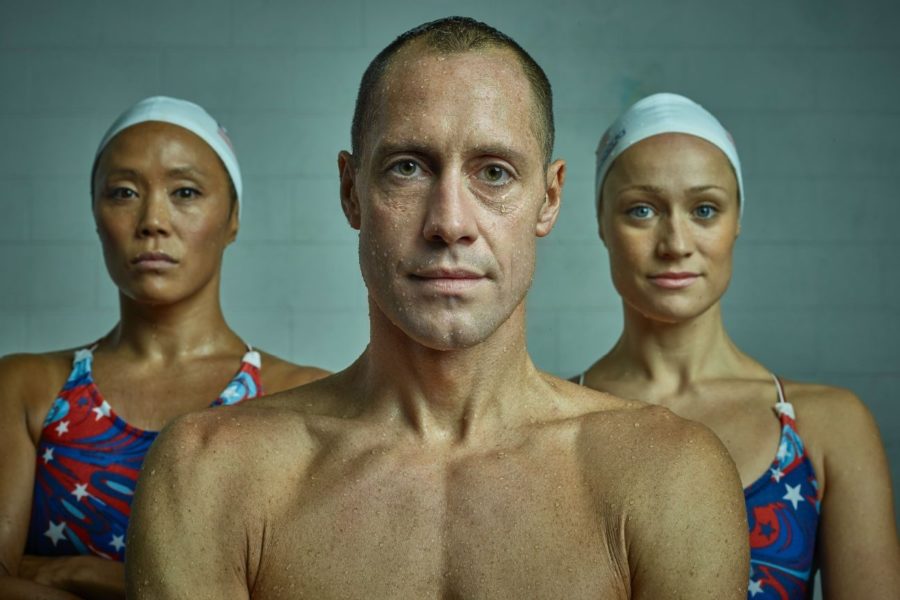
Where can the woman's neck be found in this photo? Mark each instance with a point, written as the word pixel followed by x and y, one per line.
pixel 191 328
pixel 670 357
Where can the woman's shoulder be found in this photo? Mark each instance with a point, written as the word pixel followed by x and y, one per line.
pixel 23 371
pixel 30 382
pixel 830 416
pixel 279 374
pixel 817 401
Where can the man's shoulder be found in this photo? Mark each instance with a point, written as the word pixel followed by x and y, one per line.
pixel 280 425
pixel 649 445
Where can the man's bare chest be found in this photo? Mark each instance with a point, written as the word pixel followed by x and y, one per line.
pixel 380 525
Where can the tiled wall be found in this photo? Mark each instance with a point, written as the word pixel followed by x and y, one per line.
pixel 810 90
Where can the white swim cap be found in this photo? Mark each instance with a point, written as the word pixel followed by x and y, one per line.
pixel 185 114
pixel 663 113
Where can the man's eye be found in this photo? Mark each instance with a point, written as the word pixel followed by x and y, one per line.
pixel 495 174
pixel 640 212
pixel 405 168
pixel 705 211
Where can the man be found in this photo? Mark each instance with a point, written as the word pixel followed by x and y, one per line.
pixel 442 464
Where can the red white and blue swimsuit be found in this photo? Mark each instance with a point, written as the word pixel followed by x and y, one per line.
pixel 783 511
pixel 88 461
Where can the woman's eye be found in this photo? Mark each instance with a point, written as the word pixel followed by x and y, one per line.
pixel 187 192
pixel 705 211
pixel 405 168
pixel 495 174
pixel 640 212
pixel 121 193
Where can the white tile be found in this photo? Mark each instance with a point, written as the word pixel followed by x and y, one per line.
pixel 330 339
pixel 861 342
pixel 857 80
pixel 608 79
pixel 16 197
pixel 13 331
pixel 543 339
pixel 52 23
pixel 15 73
pixel 572 276
pixel 300 277
pixel 165 23
pixel 271 331
pixel 100 82
pixel 61 210
pixel 750 79
pixel 586 335
pixel 48 146
pixel 296 81
pixel 297 24
pixel 283 145
pixel 60 328
pixel 316 212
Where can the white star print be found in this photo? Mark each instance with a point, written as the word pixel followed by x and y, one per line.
pixel 80 491
pixel 102 410
pixel 755 587
pixel 55 532
pixel 118 542
pixel 62 428
pixel 793 494
pixel 48 455
pixel 777 474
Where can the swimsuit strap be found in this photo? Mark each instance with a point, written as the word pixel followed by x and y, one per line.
pixel 782 406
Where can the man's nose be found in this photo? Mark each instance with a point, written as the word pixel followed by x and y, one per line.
pixel 451 212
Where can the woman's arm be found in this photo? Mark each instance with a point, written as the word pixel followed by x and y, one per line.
pixel 24 381
pixel 858 550
pixel 89 577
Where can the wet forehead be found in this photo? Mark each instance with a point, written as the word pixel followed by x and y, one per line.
pixel 469 99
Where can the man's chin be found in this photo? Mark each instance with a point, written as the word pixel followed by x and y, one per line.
pixel 447 337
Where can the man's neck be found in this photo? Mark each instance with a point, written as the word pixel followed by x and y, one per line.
pixel 448 395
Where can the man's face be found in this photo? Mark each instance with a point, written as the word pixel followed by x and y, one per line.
pixel 449 194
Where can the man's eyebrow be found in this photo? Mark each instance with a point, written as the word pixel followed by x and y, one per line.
pixel 502 151
pixel 420 148
pixel 402 147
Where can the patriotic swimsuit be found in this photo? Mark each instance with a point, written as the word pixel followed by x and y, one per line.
pixel 88 461
pixel 783 510
pixel 783 514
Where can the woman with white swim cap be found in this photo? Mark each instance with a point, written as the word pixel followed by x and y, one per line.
pixel 669 196
pixel 75 425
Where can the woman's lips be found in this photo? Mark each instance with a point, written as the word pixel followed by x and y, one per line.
pixel 153 261
pixel 674 281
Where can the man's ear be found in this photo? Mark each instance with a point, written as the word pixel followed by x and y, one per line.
pixel 556 177
pixel 349 196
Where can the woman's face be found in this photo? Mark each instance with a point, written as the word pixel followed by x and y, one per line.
pixel 669 219
pixel 164 212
